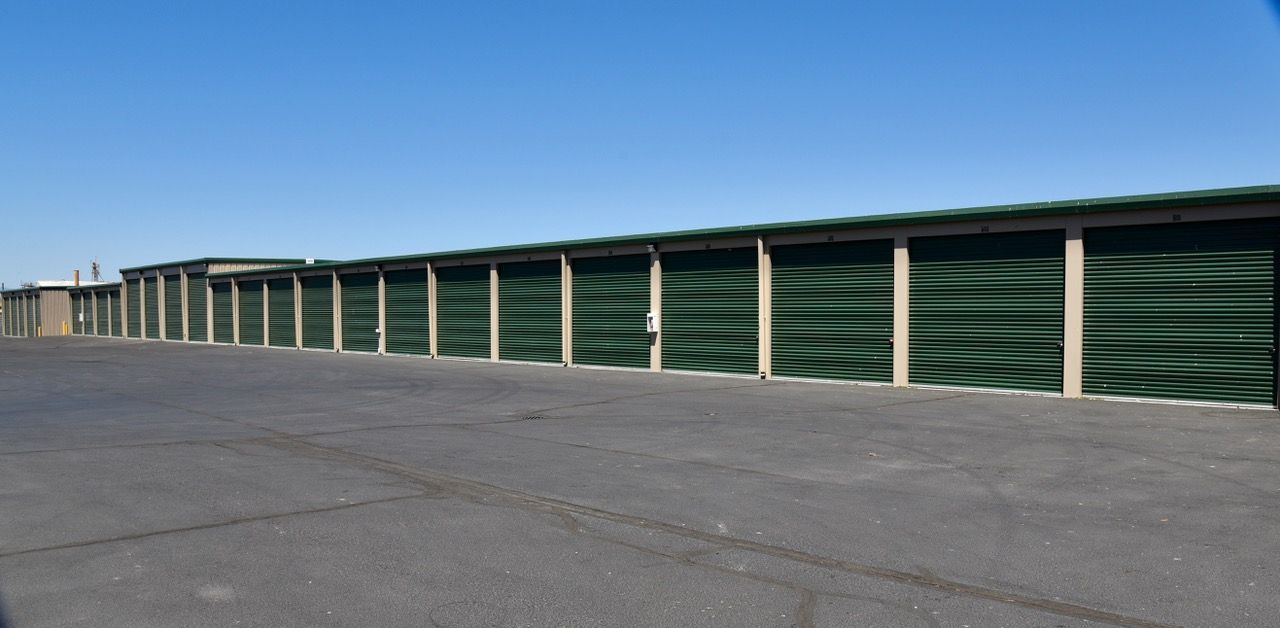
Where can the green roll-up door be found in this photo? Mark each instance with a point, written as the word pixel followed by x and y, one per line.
pixel 38 327
pixel 223 313
pixel 530 312
pixel 152 301
pixel 462 296
pixel 359 312
pixel 408 313
pixel 317 312
pixel 250 312
pixel 77 324
pixel 100 314
pixel 197 307
pixel 987 311
pixel 173 307
pixel 1182 311
pixel 133 288
pixel 833 310
pixel 116 329
pixel 710 310
pixel 280 313
pixel 610 300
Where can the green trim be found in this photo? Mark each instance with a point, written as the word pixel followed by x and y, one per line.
pixel 218 260
pixel 1251 194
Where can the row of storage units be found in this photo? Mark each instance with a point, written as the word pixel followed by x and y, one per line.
pixel 95 310
pixel 1173 303
pixel 22 313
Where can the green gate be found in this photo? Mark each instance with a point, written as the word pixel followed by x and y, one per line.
pixel 833 310
pixel 223 313
pixel 359 312
pixel 280 313
pixel 250 311
pixel 610 300
pixel 530 312
pixel 152 299
pixel 408 312
pixel 197 307
pixel 462 296
pixel 710 313
pixel 115 314
pixel 317 312
pixel 173 307
pixel 987 311
pixel 100 313
pixel 1182 311
pixel 133 288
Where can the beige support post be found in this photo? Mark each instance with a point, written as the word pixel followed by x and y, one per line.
pixel 493 311
pixel 431 310
pixel 297 310
pixel 901 310
pixel 235 311
pixel 765 307
pixel 337 312
pixel 1073 311
pixel 124 308
pixel 655 306
pixel 266 313
pixel 382 311
pixel 186 314
pixel 566 309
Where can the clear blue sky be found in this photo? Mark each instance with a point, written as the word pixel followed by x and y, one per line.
pixel 147 132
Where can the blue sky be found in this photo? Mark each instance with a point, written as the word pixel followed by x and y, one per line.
pixel 145 132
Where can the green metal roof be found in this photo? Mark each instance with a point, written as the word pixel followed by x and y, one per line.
pixel 1021 210
pixel 218 260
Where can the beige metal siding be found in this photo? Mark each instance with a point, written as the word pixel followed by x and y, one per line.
pixel 55 310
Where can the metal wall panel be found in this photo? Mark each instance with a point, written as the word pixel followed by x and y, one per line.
pixel 197 307
pixel 462 296
pixel 610 300
pixel 1182 311
pixel 987 310
pixel 134 307
pixel 408 312
pixel 152 299
pixel 116 330
pixel 359 312
pixel 530 312
pixel 317 312
pixel 833 310
pixel 250 312
pixel 77 305
pixel 173 307
pixel 280 313
pixel 100 319
pixel 710 310
pixel 223 313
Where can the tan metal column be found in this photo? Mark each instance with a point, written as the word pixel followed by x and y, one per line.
pixel 337 312
pixel 901 310
pixel 1073 311
pixel 655 305
pixel 493 311
pixel 266 313
pixel 566 309
pixel 431 309
pixel 235 311
pixel 382 311
pixel 765 272
pixel 297 310
pixel 124 307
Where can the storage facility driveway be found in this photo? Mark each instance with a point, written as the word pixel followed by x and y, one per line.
pixel 150 484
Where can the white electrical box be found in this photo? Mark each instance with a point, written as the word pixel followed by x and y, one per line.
pixel 651 322
pixel 81 315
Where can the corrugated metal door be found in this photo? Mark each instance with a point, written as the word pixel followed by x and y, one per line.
pixel 197 307
pixel 38 328
pixel 152 299
pixel 100 313
pixel 317 312
pixel 530 312
pixel 610 300
pixel 408 312
pixel 1182 311
pixel 710 310
pixel 280 313
pixel 250 311
pixel 833 310
pixel 359 312
pixel 223 313
pixel 77 326
pixel 134 308
pixel 987 311
pixel 173 307
pixel 462 295
pixel 115 314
